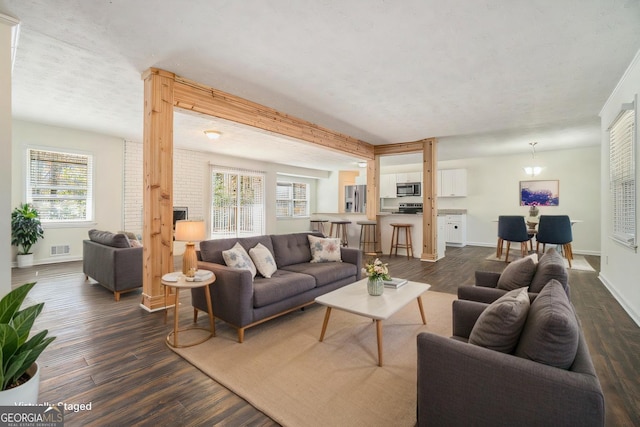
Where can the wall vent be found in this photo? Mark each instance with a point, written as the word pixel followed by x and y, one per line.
pixel 60 250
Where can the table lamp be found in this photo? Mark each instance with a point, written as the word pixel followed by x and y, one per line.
pixel 189 231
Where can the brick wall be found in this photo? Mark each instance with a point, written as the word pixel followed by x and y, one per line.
pixel 189 184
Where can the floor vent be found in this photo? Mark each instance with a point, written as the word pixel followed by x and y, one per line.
pixel 60 250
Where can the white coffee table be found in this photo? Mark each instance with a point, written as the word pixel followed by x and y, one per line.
pixel 355 299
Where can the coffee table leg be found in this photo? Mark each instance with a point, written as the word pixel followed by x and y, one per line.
pixel 325 323
pixel 424 319
pixel 379 334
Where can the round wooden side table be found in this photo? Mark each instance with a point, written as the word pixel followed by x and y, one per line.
pixel 178 281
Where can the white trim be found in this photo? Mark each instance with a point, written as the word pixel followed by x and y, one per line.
pixel 614 93
pixel 626 307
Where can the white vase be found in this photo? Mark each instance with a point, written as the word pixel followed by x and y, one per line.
pixel 25 394
pixel 24 260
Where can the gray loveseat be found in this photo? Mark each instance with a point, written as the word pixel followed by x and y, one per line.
pixel 489 286
pixel 243 301
pixel 109 259
pixel 461 384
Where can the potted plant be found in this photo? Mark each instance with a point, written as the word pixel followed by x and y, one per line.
pixel 19 373
pixel 25 232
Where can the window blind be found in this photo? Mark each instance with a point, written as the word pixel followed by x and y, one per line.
pixel 622 177
pixel 59 185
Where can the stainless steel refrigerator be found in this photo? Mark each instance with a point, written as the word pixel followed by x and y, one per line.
pixel 355 198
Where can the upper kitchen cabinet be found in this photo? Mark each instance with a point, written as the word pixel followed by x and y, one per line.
pixel 452 183
pixel 388 185
pixel 408 177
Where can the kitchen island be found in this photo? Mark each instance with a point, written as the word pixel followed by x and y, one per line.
pixel 385 219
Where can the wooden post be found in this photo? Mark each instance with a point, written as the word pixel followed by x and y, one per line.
pixel 157 232
pixel 430 200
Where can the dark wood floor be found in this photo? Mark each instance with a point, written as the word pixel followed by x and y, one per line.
pixel 113 355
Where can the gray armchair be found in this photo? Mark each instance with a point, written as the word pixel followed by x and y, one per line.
pixel 461 384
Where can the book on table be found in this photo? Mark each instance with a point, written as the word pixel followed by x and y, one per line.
pixel 395 282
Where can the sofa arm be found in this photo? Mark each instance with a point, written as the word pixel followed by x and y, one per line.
pixel 480 293
pixel 465 314
pixel 464 384
pixel 231 294
pixel 352 256
pixel 487 279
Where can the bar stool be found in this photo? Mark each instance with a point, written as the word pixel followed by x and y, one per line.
pixel 397 228
pixel 368 237
pixel 318 225
pixel 341 231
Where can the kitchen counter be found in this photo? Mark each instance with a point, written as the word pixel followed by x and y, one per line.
pixel 452 211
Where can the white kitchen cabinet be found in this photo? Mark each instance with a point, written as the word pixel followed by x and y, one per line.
pixel 408 177
pixel 452 183
pixel 456 230
pixel 388 185
pixel 442 227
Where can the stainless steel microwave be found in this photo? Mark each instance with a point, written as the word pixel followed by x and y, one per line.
pixel 406 189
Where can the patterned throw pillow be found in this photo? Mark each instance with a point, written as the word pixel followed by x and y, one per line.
pixel 237 257
pixel 324 250
pixel 263 259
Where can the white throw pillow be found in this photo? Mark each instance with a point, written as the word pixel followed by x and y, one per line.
pixel 237 257
pixel 263 260
pixel 324 249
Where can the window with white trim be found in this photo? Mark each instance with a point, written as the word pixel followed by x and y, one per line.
pixel 237 203
pixel 622 176
pixel 292 200
pixel 60 185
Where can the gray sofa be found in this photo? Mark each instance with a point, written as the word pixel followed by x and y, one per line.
pixel 462 384
pixel 243 302
pixel 109 259
pixel 490 286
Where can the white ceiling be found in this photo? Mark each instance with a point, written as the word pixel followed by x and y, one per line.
pixel 505 72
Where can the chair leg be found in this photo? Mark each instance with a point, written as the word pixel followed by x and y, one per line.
pixel 523 249
pixel 499 248
pixel 506 257
pixel 568 252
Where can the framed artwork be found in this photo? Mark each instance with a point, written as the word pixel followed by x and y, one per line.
pixel 540 193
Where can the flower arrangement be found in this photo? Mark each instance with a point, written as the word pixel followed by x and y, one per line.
pixel 376 270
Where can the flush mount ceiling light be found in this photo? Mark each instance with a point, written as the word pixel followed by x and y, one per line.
pixel 533 170
pixel 213 134
pixel 362 164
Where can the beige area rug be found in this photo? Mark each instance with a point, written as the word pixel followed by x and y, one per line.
pixel 284 371
pixel 577 263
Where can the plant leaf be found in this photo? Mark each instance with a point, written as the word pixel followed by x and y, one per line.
pixel 11 302
pixel 8 343
pixel 34 351
pixel 14 368
pixel 23 321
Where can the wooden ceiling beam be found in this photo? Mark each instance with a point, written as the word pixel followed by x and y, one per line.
pixel 402 147
pixel 193 96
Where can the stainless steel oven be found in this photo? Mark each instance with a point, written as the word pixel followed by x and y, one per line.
pixel 406 189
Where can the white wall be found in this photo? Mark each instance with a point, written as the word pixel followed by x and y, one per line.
pixel 620 266
pixel 493 185
pixel 6 23
pixel 108 156
pixel 328 194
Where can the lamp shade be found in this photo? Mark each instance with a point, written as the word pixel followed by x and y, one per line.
pixel 189 231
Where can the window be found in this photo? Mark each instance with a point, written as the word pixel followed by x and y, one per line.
pixel 237 203
pixel 622 176
pixel 59 185
pixel 292 199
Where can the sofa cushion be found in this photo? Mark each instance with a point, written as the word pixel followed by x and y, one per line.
pixel 107 238
pixel 263 260
pixel 324 249
pixel 518 274
pixel 211 250
pixel 237 257
pixel 551 333
pixel 326 272
pixel 500 324
pixel 282 285
pixel 550 266
pixel 291 249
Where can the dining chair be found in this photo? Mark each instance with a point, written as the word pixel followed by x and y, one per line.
pixel 512 228
pixel 555 230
